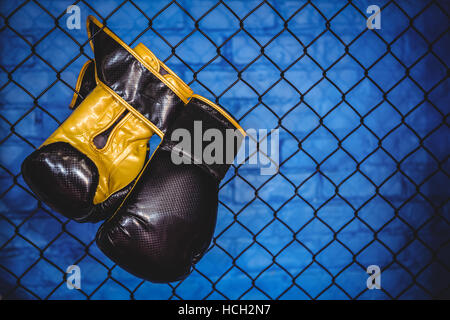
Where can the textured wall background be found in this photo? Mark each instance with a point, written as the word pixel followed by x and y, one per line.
pixel 363 119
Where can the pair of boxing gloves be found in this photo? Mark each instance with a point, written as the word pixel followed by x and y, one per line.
pixel 161 213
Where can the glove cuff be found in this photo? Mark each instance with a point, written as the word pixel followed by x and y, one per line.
pixel 148 89
pixel 204 135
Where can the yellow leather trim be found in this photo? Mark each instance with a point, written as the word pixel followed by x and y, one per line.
pixel 147 56
pixel 130 108
pixel 212 104
pixel 78 84
pixel 172 77
pixel 123 157
pixel 223 112
pixel 178 91
pixel 111 134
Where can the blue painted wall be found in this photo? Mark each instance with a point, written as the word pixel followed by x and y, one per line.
pixel 364 143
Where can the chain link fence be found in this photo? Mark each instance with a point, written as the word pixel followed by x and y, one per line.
pixel 363 122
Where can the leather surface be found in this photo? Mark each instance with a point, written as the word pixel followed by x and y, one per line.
pixel 122 157
pixel 211 117
pixel 167 222
pixel 85 84
pixel 105 128
pixel 86 79
pixel 63 177
pixel 145 90
pixel 105 209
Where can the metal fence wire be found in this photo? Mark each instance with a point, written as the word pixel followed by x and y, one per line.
pixel 363 122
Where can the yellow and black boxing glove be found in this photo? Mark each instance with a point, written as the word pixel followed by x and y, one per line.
pixel 86 168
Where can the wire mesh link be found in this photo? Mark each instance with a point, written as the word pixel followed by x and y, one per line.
pixel 314 267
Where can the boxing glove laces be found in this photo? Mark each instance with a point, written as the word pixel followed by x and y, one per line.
pixel 167 221
pixel 88 165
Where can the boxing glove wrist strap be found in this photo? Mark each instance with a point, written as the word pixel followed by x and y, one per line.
pixel 204 135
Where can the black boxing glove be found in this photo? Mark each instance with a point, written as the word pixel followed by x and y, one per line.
pixel 167 222
pixel 85 169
